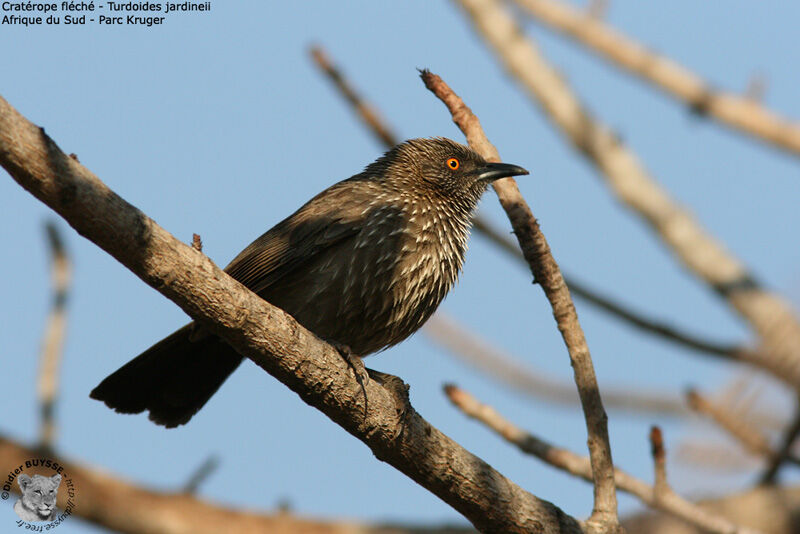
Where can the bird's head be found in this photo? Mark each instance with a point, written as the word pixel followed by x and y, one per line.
pixel 441 167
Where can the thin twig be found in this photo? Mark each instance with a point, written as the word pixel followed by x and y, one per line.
pixel 746 434
pixel 580 466
pixel 769 315
pixel 660 486
pixel 740 112
pixel 201 474
pixel 752 440
pixel 364 110
pixel 53 342
pixel 547 274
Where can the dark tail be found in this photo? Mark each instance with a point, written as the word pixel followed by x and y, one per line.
pixel 173 379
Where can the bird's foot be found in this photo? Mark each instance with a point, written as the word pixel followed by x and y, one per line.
pixel 354 362
pixel 399 391
pixel 357 365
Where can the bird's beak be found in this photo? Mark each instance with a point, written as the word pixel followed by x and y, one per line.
pixel 494 171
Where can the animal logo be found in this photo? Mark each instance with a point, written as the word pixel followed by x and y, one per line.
pixel 38 502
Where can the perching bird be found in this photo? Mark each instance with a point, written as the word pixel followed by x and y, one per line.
pixel 363 265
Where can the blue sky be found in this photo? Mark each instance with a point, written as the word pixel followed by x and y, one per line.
pixel 219 124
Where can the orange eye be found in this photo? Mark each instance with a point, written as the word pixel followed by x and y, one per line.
pixel 453 164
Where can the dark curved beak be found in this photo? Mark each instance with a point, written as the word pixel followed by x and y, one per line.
pixel 494 171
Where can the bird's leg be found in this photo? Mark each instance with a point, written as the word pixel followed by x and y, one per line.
pixel 399 390
pixel 354 363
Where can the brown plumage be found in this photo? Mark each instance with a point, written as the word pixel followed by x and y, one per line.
pixel 363 265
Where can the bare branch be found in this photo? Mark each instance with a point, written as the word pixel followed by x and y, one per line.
pixel 752 440
pixel 784 453
pixel 491 360
pixel 367 114
pixel 547 274
pixel 660 486
pixel 770 316
pixel 201 474
pixel 268 336
pixel 740 112
pixel 53 342
pixel 750 437
pixel 478 352
pixel 639 320
pixel 106 500
pixel 572 463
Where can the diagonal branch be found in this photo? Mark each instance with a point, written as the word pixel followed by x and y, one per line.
pixel 367 114
pixel 740 112
pixel 652 326
pixel 666 501
pixel 768 314
pixel 751 438
pixel 492 361
pixel 547 274
pixel 268 336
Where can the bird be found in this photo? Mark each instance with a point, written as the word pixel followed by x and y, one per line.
pixel 362 265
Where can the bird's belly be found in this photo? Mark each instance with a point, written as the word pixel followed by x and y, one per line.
pixel 377 299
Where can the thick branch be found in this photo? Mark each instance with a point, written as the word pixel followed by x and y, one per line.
pixel 743 113
pixel 268 336
pixel 547 274
pixel 770 316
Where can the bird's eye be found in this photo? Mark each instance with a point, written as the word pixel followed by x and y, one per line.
pixel 453 164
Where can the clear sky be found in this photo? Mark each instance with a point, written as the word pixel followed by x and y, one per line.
pixel 219 124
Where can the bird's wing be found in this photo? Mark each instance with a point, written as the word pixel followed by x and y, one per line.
pixel 296 241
